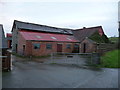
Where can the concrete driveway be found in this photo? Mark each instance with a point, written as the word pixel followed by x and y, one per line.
pixel 31 74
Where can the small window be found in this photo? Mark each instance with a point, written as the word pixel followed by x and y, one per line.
pixel 48 46
pixel 68 39
pixel 76 46
pixel 68 46
pixel 53 38
pixel 38 36
pixel 36 46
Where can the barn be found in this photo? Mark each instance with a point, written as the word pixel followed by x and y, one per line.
pixel 91 38
pixel 31 39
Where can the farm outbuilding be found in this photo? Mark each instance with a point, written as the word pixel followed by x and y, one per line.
pixel 38 40
pixel 90 38
pixel 38 43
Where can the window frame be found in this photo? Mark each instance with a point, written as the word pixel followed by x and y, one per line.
pixel 48 45
pixel 68 46
pixel 76 46
pixel 36 47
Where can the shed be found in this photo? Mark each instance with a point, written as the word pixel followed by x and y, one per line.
pixel 40 44
pixel 90 37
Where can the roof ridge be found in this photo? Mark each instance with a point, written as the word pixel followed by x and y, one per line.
pixel 89 28
pixel 1 24
pixel 42 25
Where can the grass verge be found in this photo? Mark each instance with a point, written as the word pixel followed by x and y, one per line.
pixel 110 59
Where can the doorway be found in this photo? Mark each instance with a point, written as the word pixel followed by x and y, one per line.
pixel 16 48
pixel 23 49
pixel 84 47
pixel 59 47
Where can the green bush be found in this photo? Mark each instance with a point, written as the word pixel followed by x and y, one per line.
pixel 110 59
pixel 97 38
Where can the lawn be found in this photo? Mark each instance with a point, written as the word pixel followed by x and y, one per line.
pixel 110 59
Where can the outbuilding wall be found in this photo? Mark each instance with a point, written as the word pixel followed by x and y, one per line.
pixel 90 47
pixel 21 42
pixel 42 51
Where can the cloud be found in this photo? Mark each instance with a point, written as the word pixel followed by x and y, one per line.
pixel 61 14
pixel 60 1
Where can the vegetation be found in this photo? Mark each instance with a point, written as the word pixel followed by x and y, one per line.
pixel 114 39
pixel 97 38
pixel 110 59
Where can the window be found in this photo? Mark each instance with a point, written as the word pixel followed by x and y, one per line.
pixel 68 39
pixel 38 36
pixel 36 46
pixel 76 46
pixel 53 38
pixel 49 46
pixel 68 46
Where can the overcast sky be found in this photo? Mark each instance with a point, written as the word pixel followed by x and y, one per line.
pixel 72 14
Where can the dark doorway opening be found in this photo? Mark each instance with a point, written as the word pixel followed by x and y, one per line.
pixel 23 49
pixel 84 47
pixel 59 47
pixel 10 44
pixel 16 48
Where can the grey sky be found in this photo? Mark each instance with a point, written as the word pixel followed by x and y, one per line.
pixel 62 14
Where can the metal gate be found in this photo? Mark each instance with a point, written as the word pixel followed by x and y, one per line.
pixel 81 59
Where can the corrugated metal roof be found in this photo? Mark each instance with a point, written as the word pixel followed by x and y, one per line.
pixel 3 41
pixel 81 34
pixel 38 27
pixel 39 36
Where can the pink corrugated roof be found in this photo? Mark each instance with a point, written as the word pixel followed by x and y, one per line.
pixel 47 36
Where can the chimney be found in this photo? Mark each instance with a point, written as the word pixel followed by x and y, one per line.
pixel 84 27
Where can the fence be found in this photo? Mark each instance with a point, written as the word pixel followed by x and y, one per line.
pixel 105 47
pixel 75 58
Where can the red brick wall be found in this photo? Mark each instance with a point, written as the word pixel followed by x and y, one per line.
pixel 43 50
pixel 21 42
pixel 30 51
pixel 90 47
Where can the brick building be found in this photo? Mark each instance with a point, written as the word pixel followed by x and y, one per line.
pixel 9 40
pixel 38 40
pixel 90 38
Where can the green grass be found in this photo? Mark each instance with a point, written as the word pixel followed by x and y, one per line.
pixel 110 59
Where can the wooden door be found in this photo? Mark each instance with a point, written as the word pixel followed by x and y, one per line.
pixel 59 47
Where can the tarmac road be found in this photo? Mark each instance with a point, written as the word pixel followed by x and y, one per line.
pixel 29 74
